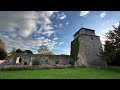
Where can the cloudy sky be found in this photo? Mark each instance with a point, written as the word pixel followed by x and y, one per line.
pixel 31 29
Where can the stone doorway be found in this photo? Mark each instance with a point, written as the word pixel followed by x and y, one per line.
pixel 18 60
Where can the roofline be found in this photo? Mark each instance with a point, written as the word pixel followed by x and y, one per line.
pixel 83 28
pixel 85 34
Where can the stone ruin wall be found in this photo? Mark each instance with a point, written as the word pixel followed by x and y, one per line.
pixel 43 59
pixel 89 51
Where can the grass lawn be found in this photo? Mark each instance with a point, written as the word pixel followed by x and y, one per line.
pixel 71 73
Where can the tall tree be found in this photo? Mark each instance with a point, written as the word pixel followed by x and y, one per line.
pixel 44 50
pixel 111 51
pixel 2 45
pixel 3 52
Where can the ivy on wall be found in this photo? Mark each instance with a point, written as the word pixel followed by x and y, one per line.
pixel 75 49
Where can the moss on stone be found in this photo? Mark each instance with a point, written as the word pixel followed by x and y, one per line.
pixel 75 49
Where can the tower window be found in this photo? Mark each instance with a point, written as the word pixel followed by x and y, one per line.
pixel 91 38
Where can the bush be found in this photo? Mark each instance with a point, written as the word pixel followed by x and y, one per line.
pixel 46 67
pixel 12 68
pixel 52 67
pixel 35 67
pixel 62 66
pixel 36 62
pixel 72 62
pixel 3 54
pixel 82 66
pixel 58 66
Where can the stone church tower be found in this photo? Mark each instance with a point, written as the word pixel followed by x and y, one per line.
pixel 85 49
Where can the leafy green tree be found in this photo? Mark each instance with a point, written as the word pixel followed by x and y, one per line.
pixel 111 51
pixel 12 51
pixel 50 53
pixel 44 50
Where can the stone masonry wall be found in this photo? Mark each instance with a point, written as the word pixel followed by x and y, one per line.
pixel 89 51
pixel 43 59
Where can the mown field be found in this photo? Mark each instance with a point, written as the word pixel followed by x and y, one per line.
pixel 68 73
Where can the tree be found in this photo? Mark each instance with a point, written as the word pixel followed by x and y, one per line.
pixel 111 51
pixel 50 53
pixel 3 55
pixel 3 52
pixel 44 50
pixel 2 45
pixel 12 51
pixel 18 51
pixel 28 51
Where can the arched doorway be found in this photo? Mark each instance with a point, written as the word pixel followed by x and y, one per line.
pixel 20 60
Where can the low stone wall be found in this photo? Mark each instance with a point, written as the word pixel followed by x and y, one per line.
pixel 52 59
pixel 43 59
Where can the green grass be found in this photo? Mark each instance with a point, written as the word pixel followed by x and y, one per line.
pixel 71 73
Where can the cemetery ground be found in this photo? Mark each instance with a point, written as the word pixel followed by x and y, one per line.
pixel 112 72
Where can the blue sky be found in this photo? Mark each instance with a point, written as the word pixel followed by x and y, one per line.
pixel 31 29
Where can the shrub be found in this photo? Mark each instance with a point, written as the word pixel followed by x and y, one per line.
pixel 36 62
pixel 12 68
pixel 46 67
pixel 62 66
pixel 35 67
pixel 3 54
pixel 58 66
pixel 82 66
pixel 72 62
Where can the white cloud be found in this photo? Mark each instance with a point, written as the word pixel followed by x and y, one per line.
pixel 59 26
pixel 27 43
pixel 116 25
pixel 103 14
pixel 55 25
pixel 49 32
pixel 25 22
pixel 55 39
pixel 66 23
pixel 103 24
pixel 60 43
pixel 45 22
pixel 61 15
pixel 20 25
pixel 83 13
pixel 101 32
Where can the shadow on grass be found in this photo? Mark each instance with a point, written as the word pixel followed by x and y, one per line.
pixel 115 69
